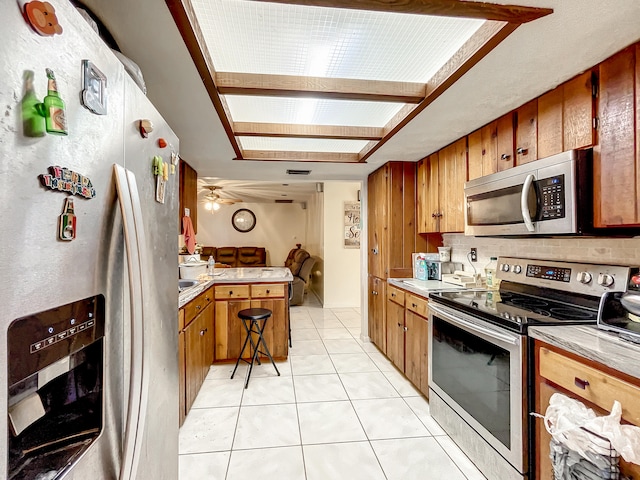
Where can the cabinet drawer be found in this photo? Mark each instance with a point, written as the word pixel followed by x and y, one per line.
pixel 231 291
pixel 197 305
pixel 395 295
pixel 267 290
pixel 418 305
pixel 591 384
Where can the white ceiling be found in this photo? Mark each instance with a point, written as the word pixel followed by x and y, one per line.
pixel 534 59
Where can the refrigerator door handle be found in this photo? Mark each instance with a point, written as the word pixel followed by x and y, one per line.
pixel 134 237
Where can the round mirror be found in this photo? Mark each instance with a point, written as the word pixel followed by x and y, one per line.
pixel 243 220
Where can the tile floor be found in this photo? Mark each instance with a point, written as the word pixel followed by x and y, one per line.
pixel 339 410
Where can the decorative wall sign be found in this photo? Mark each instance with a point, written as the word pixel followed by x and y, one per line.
pixel 67 227
pixel 351 224
pixel 146 127
pixel 94 95
pixel 64 180
pixel 42 17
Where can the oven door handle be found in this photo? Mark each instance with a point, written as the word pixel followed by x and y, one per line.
pixel 474 327
pixel 524 202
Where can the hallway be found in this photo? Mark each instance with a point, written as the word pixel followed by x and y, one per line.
pixel 339 410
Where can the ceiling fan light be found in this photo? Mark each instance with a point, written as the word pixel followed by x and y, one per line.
pixel 208 206
pixel 216 206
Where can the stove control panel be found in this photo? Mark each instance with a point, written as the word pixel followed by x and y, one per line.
pixel 584 278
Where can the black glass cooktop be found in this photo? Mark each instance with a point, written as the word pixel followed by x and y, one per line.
pixel 517 310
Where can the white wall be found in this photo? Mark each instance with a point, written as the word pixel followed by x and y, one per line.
pixel 278 228
pixel 342 271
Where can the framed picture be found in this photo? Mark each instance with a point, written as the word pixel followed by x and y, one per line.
pixel 351 224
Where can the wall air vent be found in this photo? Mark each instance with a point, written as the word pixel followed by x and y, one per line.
pixel 284 201
pixel 298 172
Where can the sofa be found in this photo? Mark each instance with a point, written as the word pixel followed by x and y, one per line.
pixel 236 256
pixel 301 263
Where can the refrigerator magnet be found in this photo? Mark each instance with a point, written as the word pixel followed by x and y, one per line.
pixel 42 18
pixel 160 188
pixel 162 143
pixel 146 127
pixel 94 93
pixel 67 224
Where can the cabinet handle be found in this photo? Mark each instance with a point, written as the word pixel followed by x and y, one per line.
pixel 505 156
pixel 405 329
pixel 268 291
pixel 414 305
pixel 202 332
pixel 522 151
pixel 583 384
pixel 230 292
pixel 206 298
pixel 198 307
pixel 374 292
pixel 393 294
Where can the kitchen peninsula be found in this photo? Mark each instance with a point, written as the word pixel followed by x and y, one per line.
pixel 208 326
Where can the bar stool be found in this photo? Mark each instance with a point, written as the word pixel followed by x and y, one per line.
pixel 251 318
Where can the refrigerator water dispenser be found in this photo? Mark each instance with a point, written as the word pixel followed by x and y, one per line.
pixel 55 396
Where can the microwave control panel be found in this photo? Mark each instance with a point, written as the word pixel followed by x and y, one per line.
pixel 552 196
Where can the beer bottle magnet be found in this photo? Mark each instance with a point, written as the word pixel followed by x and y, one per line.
pixel 53 108
pixel 67 230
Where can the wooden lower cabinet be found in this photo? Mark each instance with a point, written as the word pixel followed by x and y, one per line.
pixel 229 331
pixel 377 312
pixel 416 362
pixel 395 327
pixel 558 371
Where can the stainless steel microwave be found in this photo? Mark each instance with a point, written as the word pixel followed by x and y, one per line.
pixel 550 196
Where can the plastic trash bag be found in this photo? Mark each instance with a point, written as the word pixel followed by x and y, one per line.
pixel 565 416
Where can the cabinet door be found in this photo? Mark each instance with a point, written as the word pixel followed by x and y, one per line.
pixel 188 194
pixel 377 312
pixel 432 195
pixel 416 351
pixel 395 334
pixel 229 332
pixel 550 130
pixel 578 114
pixel 276 330
pixel 422 208
pixel 505 142
pixel 527 132
pixel 615 162
pixel 193 359
pixel 483 151
pixel 182 400
pixel 453 174
pixel 377 218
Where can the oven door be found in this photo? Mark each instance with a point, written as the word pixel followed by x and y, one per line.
pixel 478 369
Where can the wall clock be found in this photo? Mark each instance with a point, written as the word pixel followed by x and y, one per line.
pixel 243 220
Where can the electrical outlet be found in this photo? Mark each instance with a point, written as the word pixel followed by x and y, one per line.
pixel 474 254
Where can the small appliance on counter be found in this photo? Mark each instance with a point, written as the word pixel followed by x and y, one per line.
pixel 620 311
pixel 436 269
pixel 464 279
pixel 429 266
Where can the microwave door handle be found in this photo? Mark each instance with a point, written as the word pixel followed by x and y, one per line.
pixel 524 202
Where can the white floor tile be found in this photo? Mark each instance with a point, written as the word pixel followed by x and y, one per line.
pixel 267 426
pixel 420 407
pixel 367 385
pixel 341 461
pixel 370 347
pixel 318 388
pixel 415 459
pixel 266 369
pixel 269 391
pixel 460 459
pixel 221 371
pixel 304 334
pixel 382 362
pixel 220 393
pixel 208 430
pixel 389 418
pixel 307 347
pixel 402 384
pixel 329 422
pixel 353 362
pixel 342 346
pixel 281 463
pixel 301 323
pixel 335 333
pixel 327 322
pixel 203 465
pixel 312 365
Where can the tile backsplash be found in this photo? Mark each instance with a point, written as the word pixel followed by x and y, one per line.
pixel 623 251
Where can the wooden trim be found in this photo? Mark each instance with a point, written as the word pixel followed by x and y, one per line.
pixel 488 37
pixel 185 18
pixel 231 83
pixel 445 8
pixel 289 156
pixel 251 129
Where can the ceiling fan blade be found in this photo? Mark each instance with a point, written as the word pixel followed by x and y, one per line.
pixel 228 201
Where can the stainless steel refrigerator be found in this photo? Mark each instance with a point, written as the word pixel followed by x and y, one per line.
pixel 88 337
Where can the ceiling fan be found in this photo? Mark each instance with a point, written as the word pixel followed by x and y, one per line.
pixel 213 200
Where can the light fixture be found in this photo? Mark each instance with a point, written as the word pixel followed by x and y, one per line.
pixel 213 200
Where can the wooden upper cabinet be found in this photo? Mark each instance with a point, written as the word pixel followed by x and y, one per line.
pixel 422 208
pixel 452 167
pixel 505 140
pixel 377 203
pixel 188 194
pixel 578 112
pixel 527 132
pixel 550 129
pixel 615 159
pixel 483 151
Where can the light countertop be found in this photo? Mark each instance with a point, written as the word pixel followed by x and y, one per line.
pixel 594 344
pixel 422 287
pixel 235 275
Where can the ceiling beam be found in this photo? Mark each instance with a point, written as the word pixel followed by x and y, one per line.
pixel 289 156
pixel 341 132
pixel 486 38
pixel 185 18
pixel 230 83
pixel 443 8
